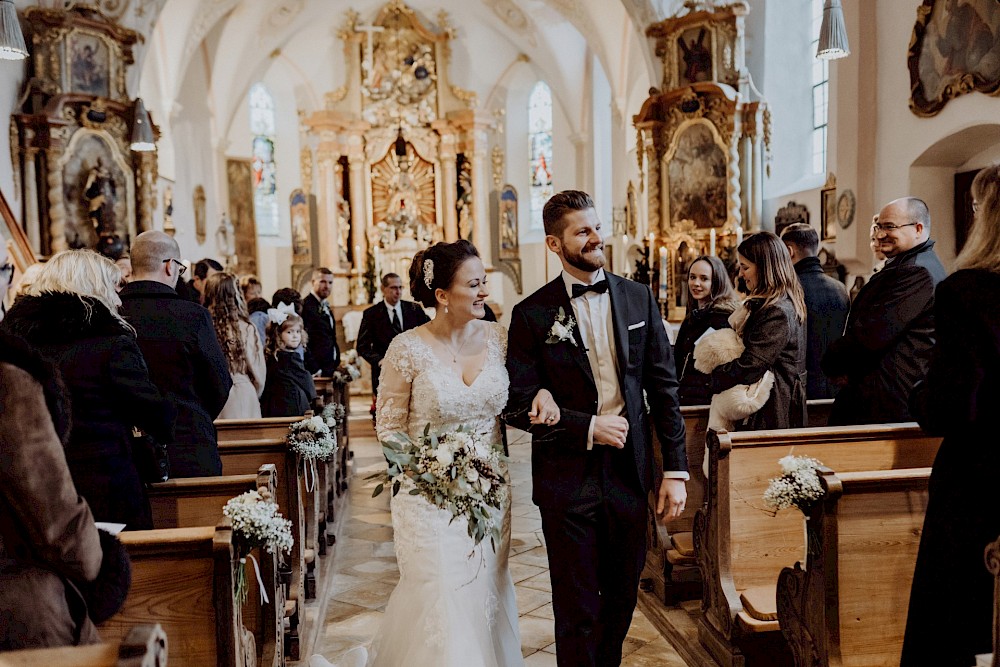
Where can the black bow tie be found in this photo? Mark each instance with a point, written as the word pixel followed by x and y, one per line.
pixel 601 286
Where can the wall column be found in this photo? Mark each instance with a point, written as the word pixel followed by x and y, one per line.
pixel 359 240
pixel 449 183
pixel 327 231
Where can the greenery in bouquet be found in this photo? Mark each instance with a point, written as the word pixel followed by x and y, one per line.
pixel 312 439
pixel 446 470
pixel 333 414
pixel 798 486
pixel 257 523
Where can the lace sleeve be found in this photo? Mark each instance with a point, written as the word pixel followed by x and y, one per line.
pixel 500 336
pixel 393 406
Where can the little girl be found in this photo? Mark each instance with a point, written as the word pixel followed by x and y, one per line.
pixel 289 390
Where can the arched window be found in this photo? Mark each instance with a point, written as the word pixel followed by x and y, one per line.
pixel 540 149
pixel 820 93
pixel 265 191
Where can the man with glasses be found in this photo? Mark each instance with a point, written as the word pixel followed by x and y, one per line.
pixel 182 352
pixel 885 349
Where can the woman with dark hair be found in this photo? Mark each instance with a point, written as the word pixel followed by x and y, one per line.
pixel 712 300
pixel 958 400
pixel 771 323
pixel 241 344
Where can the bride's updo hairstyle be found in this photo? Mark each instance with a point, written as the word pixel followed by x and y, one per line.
pixel 435 267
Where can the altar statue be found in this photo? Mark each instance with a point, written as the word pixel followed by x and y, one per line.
pixel 100 194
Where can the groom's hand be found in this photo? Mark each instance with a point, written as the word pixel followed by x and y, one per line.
pixel 671 500
pixel 610 430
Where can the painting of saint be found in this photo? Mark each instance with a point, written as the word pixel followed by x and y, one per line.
pixel 88 65
pixel 697 179
pixel 508 223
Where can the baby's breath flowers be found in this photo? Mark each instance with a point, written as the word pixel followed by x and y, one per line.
pixel 798 487
pixel 312 439
pixel 256 523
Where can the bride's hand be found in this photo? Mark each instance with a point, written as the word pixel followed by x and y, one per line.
pixel 544 409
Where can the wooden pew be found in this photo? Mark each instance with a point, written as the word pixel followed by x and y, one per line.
pixel 863 536
pixel 182 578
pixel 742 548
pixel 993 563
pixel 143 646
pixel 671 561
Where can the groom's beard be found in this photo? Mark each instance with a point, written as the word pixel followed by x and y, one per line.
pixel 591 258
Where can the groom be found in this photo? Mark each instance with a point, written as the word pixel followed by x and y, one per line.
pixel 596 342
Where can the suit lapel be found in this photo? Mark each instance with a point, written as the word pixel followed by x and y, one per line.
pixel 619 323
pixel 559 298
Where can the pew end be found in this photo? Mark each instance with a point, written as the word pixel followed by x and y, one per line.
pixel 143 646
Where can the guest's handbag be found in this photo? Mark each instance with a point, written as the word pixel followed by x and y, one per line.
pixel 150 457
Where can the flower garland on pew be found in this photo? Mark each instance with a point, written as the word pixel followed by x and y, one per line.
pixel 349 370
pixel 312 439
pixel 256 523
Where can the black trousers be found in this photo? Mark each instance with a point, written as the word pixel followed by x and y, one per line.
pixel 597 549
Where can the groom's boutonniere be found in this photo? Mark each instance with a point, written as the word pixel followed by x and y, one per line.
pixel 562 329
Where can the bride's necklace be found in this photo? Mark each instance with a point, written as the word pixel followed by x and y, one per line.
pixel 454 354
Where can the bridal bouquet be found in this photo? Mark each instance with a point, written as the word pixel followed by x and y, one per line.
pixel 312 439
pixel 799 486
pixel 256 523
pixel 447 472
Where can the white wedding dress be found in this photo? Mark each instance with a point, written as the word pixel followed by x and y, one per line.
pixel 454 604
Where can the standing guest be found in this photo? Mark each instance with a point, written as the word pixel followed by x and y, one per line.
pixel 202 270
pixel 289 390
pixel 183 353
pixel 827 305
pixel 875 244
pixel 319 323
pixel 951 601
pixel 772 325
pixel 257 311
pixel 251 288
pixel 125 264
pixel 70 314
pixel 240 343
pixel 383 322
pixel 886 346
pixel 712 300
pixel 289 296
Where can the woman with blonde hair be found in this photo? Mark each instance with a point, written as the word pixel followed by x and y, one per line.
pixel 241 344
pixel 70 314
pixel 772 325
pixel 958 400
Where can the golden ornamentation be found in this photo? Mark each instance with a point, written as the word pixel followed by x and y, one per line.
pixel 469 97
pixel 412 191
pixel 497 157
pixel 331 99
pixel 306 169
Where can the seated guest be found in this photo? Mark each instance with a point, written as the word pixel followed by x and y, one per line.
pixel 70 314
pixel 257 312
pixel 773 334
pixel 185 359
pixel 203 268
pixel 241 344
pixel 319 322
pixel 711 300
pixel 289 390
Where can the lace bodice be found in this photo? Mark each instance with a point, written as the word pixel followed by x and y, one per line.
pixel 416 388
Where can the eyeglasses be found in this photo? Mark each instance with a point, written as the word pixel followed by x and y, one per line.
pixel 890 226
pixel 7 272
pixel 180 266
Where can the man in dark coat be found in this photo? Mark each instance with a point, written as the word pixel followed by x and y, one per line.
pixel 595 342
pixel 886 346
pixel 384 321
pixel 827 305
pixel 319 323
pixel 181 349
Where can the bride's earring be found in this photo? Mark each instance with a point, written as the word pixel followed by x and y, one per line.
pixel 446 310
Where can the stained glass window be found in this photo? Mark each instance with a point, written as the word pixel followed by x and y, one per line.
pixel 540 149
pixel 265 191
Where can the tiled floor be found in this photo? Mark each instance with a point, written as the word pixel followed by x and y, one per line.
pixel 365 572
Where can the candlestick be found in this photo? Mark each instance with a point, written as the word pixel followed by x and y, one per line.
pixel 739 235
pixel 357 257
pixel 651 237
pixel 711 243
pixel 663 273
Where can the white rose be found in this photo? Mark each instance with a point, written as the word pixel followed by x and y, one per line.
pixel 486 485
pixel 472 475
pixel 559 330
pixel 444 455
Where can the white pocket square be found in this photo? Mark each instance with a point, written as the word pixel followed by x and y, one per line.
pixel 637 325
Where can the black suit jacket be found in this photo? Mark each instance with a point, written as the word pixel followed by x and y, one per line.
pixel 559 453
pixel 322 332
pixel 376 332
pixel 827 304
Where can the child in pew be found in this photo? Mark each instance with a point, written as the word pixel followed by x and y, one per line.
pixel 289 390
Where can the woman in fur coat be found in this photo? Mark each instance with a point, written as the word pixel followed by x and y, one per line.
pixel 70 314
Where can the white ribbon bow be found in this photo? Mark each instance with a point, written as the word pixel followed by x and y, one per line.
pixel 281 313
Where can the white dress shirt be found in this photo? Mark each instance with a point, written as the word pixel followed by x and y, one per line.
pixel 398 309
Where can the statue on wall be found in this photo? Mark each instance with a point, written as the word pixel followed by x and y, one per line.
pixel 343 230
pixel 100 193
pixel 402 209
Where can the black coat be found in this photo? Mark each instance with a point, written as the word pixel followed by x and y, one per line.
pixel 886 345
pixel 695 386
pixel 827 305
pixel 187 364
pixel 951 603
pixel 376 333
pixel 559 453
pixel 289 389
pixel 322 330
pixel 774 340
pixel 110 392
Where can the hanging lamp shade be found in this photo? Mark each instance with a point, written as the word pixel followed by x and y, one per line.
pixel 833 33
pixel 11 39
pixel 142 129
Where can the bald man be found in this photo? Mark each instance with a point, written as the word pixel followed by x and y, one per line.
pixel 185 359
pixel 885 349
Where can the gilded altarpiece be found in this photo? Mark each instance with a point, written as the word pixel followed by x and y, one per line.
pixel 82 185
pixel 239 179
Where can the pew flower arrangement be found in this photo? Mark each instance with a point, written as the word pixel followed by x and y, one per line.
pixel 798 486
pixel 349 370
pixel 333 414
pixel 446 470
pixel 256 523
pixel 312 439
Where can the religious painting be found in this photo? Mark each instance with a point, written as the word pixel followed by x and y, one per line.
pixel 955 49
pixel 301 245
pixel 97 191
pixel 697 179
pixel 828 210
pixel 508 223
pixel 89 65
pixel 200 223
pixel 695 62
pixel 239 176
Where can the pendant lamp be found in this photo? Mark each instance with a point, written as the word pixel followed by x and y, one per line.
pixel 833 33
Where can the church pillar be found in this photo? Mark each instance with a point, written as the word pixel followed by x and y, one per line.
pixel 359 241
pixel 327 229
pixel 449 183
pixel 475 126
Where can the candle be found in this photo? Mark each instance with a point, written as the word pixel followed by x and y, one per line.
pixel 357 257
pixel 651 237
pixel 663 273
pixel 711 243
pixel 739 235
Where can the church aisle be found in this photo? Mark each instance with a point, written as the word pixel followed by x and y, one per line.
pixel 364 569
